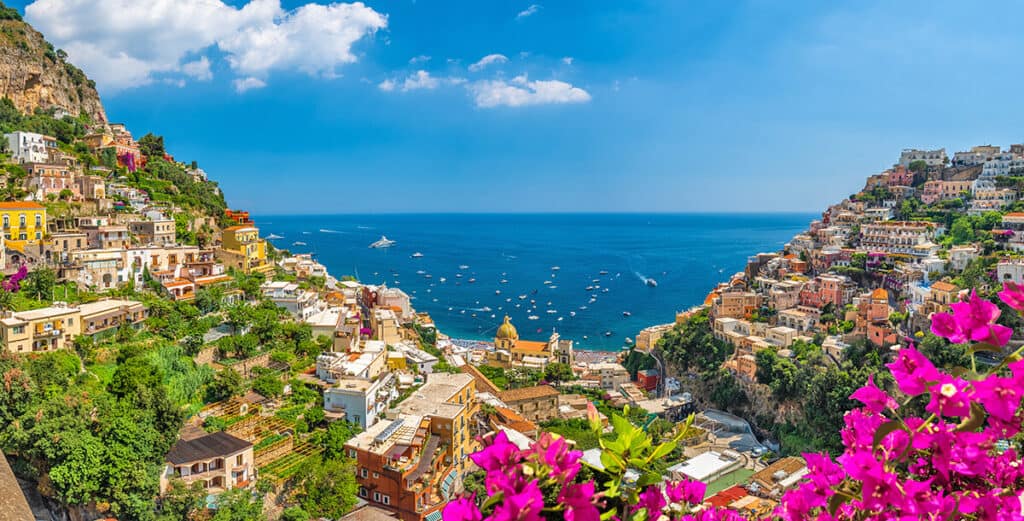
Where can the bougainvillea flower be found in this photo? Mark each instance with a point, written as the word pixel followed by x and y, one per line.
pixel 976 320
pixel 873 398
pixel 499 456
pixel 1000 396
pixel 462 509
pixel 524 505
pixel 1013 295
pixel 579 502
pixel 949 397
pixel 945 326
pixel 652 499
pixel 686 491
pixel 912 371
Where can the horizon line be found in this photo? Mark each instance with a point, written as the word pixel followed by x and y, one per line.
pixel 665 213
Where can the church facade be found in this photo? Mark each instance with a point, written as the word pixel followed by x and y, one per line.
pixel 511 351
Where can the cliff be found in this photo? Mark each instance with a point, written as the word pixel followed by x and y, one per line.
pixel 35 75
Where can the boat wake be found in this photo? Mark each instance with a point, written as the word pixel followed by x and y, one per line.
pixel 324 230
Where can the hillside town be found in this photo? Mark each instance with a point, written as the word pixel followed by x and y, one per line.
pixel 285 378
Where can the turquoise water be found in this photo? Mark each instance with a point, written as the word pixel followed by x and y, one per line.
pixel 685 253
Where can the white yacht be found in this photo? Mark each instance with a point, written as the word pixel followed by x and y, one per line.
pixel 384 242
pixel 416 255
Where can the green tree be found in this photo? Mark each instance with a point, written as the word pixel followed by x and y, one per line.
pixel 559 372
pixel 268 385
pixel 337 435
pixel 226 383
pixel 39 283
pixel 294 514
pixel 328 487
pixel 238 504
pixel 917 166
pixel 152 145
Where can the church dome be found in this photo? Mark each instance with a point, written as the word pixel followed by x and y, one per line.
pixel 507 331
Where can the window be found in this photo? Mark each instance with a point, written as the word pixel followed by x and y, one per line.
pixel 22 236
pixel 7 221
pixel 21 220
pixel 376 496
pixel 362 472
pixel 238 459
pixel 352 453
pixel 362 492
pixel 39 220
pixel 376 475
pixel 39 235
pixel 387 499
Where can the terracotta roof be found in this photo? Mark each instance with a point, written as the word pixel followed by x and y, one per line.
pixel 880 293
pixel 209 446
pixel 529 345
pixel 1014 214
pixel 944 286
pixel 21 205
pixel 527 393
pixel 238 227
pixel 513 420
pixel 727 496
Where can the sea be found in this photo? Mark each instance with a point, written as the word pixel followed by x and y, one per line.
pixel 597 279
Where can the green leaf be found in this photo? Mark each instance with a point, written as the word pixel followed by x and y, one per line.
pixel 612 462
pixel 986 347
pixel 639 515
pixel 662 450
pixel 835 502
pixel 973 421
pixel 621 425
pixel 607 515
pixel 884 430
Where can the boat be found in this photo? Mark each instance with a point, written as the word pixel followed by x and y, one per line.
pixel 509 299
pixel 416 255
pixel 589 288
pixel 298 243
pixel 608 333
pixel 602 272
pixel 627 314
pixel 486 309
pixel 605 290
pixel 518 305
pixel 473 315
pixel 533 317
pixel 583 308
pixel 559 319
pixel 547 282
pixel 428 276
pixel 463 267
pixel 384 242
pixel 552 287
pixel 572 313
pixel 555 268
pixel 651 282
pixel 493 315
pixel 421 272
pixel 274 236
pixel 471 281
pixel 503 281
pixel 522 297
pixel 552 311
pixel 497 292
pixel 435 300
pixel 442 279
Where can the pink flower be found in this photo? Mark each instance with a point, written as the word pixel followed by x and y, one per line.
pixel 554 452
pixel 579 502
pixel 1000 396
pixel 651 499
pixel 1013 295
pixel 976 320
pixel 461 509
pixel 873 398
pixel 524 505
pixel 912 371
pixel 499 456
pixel 687 491
pixel 949 397
pixel 945 326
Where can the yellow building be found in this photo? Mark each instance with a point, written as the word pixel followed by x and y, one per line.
pixel 510 351
pixel 46 329
pixel 24 222
pixel 242 248
pixel 396 361
pixel 449 400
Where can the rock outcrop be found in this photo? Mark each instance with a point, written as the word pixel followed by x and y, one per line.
pixel 33 74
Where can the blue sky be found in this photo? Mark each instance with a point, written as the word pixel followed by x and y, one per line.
pixel 665 106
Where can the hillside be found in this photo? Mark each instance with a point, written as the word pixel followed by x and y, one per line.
pixel 35 75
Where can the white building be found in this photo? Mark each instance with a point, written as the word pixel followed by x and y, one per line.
pixel 301 303
pixel 414 356
pixel 29 147
pixel 360 400
pixel 1010 270
pixel 930 157
pixel 611 374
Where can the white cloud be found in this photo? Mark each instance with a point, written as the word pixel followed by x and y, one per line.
pixel 244 84
pixel 386 85
pixel 127 43
pixel 520 92
pixel 419 59
pixel 488 60
pixel 567 60
pixel 199 69
pixel 420 80
pixel 529 11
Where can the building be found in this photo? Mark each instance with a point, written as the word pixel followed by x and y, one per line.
pixel 413 462
pixel 360 400
pixel 977 155
pixel 707 467
pixel 906 237
pixel 103 317
pixel 107 236
pixel 537 404
pixel 511 351
pixel 780 476
pixel 24 222
pixel 610 374
pixel 735 302
pixel 218 460
pixel 47 329
pixel 384 323
pixel 160 232
pixel 29 147
pixel 937 190
pixel 930 157
pixel 1013 225
pixel 238 216
pixel 301 303
pixel 50 181
pixel 241 248
pixel 92 187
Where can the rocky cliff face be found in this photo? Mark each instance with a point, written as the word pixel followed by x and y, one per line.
pixel 35 75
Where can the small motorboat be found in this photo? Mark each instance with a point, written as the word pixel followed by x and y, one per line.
pixel 421 272
pixel 547 282
pixel 555 268
pixel 522 297
pixel 589 288
pixel 497 292
pixel 651 282
pixel 416 255
pixel 533 317
pixel 471 281
pixel 463 267
pixel 572 313
pixel 608 333
pixel 442 279
pixel 274 237
pixel 627 314
pixel 552 311
pixel 602 272
pixel 298 243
